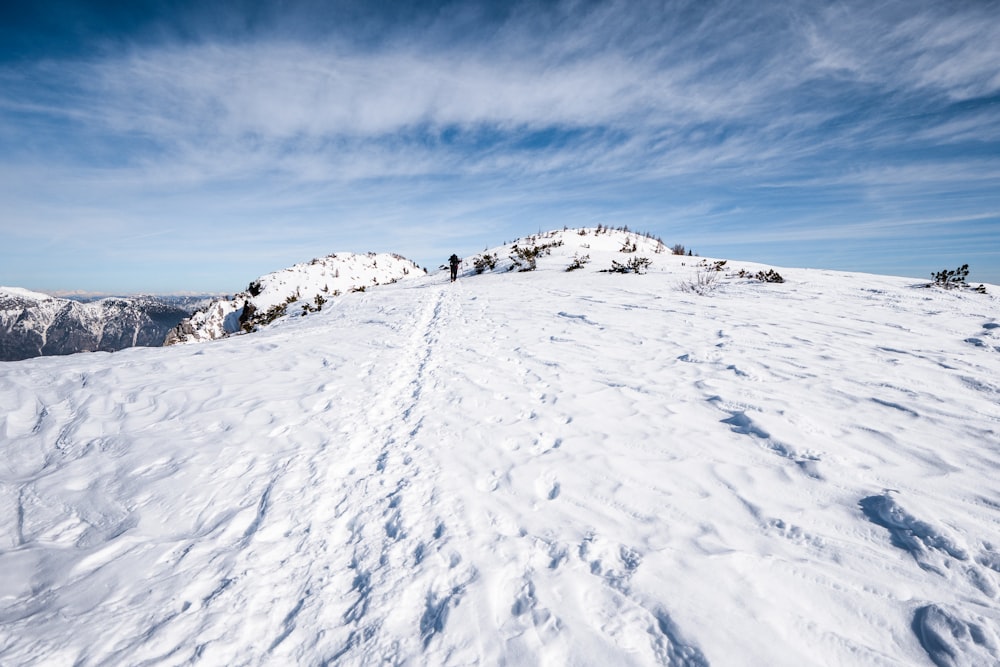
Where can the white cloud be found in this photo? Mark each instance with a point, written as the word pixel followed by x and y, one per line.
pixel 585 106
pixel 946 49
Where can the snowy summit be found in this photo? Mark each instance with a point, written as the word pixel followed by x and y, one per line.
pixel 652 459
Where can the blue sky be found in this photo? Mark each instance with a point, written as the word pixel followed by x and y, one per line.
pixel 187 146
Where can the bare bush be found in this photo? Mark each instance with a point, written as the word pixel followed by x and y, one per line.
pixel 705 282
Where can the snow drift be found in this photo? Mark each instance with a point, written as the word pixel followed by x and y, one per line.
pixel 541 467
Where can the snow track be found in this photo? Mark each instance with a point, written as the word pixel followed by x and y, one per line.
pixel 541 468
pixel 394 533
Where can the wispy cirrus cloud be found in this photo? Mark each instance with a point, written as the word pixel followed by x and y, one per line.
pixel 677 86
pixel 577 110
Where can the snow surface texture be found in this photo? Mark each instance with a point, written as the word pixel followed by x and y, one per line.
pixel 302 288
pixel 542 468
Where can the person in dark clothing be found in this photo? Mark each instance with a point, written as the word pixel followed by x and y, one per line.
pixel 453 263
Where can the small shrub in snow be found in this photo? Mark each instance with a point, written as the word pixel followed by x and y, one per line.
pixel 272 313
pixel 318 300
pixel 578 262
pixel 678 249
pixel 634 265
pixel 718 265
pixel 769 276
pixel 484 262
pixel 628 247
pixel 951 279
pixel 955 279
pixel 525 258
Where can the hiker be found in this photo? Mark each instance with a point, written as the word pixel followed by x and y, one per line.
pixel 453 263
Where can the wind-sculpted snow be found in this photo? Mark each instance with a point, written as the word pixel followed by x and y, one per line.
pixel 908 532
pixel 538 468
pixel 952 641
pixel 946 634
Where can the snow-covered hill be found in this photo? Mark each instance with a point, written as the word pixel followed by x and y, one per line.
pixel 34 324
pixel 302 288
pixel 544 468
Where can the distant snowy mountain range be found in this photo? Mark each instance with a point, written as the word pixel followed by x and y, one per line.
pixel 34 324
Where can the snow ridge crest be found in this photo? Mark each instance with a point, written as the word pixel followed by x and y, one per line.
pixel 297 290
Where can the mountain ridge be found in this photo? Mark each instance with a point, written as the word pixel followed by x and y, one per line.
pixel 33 324
pixel 29 329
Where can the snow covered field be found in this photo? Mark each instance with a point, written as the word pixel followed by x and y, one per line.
pixel 540 468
